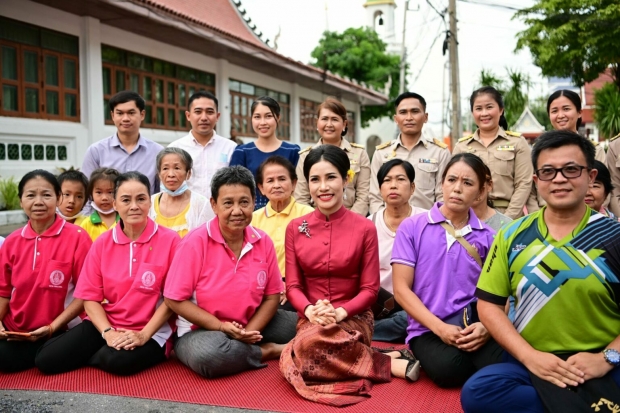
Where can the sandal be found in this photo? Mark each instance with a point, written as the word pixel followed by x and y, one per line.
pixel 405 353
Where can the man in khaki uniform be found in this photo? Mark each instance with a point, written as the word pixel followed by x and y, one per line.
pixel 428 157
pixel 613 164
pixel 509 157
pixel 356 193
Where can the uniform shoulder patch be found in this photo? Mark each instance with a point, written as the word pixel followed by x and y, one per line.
pixel 615 137
pixel 595 143
pixel 465 138
pixel 511 133
pixel 305 150
pixel 384 145
pixel 439 143
pixel 357 145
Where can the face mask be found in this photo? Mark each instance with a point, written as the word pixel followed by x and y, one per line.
pixel 66 218
pixel 101 211
pixel 178 192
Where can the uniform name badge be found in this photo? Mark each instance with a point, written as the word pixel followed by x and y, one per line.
pixel 428 160
pixel 506 148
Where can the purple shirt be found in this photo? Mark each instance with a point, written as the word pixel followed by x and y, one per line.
pixel 445 274
pixel 110 153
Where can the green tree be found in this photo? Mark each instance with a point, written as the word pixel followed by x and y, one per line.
pixel 538 107
pixel 607 113
pixel 513 89
pixel 573 38
pixel 361 55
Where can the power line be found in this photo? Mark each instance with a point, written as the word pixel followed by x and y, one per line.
pixel 501 6
pixel 442 15
pixel 428 55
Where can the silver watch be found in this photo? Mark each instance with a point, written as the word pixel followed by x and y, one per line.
pixel 612 356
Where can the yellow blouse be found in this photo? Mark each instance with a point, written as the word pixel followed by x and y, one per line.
pixel 176 223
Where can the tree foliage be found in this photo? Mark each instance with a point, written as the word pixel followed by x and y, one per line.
pixel 513 88
pixel 361 55
pixel 573 38
pixel 607 113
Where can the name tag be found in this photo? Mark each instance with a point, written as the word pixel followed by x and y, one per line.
pixel 506 148
pixel 428 160
pixel 353 161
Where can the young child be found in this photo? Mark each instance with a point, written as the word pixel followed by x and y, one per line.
pixel 599 191
pixel 101 191
pixel 73 185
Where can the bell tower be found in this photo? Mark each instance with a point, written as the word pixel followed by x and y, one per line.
pixel 380 17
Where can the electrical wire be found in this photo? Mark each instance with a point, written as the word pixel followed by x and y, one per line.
pixel 428 54
pixel 501 6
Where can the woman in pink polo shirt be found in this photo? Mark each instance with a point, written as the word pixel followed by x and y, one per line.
pixel 436 262
pixel 39 267
pixel 127 328
pixel 224 284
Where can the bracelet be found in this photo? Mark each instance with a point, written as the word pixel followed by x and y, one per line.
pixel 106 330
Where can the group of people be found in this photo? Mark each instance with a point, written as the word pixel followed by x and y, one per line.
pixel 324 251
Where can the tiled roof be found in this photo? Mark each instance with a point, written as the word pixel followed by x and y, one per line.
pixel 218 15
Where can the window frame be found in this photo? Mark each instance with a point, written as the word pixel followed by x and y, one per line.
pixel 307 121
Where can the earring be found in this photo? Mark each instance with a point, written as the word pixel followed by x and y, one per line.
pixel 345 194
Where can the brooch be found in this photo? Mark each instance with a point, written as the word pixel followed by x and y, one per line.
pixel 303 228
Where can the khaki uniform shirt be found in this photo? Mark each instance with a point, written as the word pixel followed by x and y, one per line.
pixel 508 157
pixel 535 201
pixel 429 159
pixel 356 192
pixel 613 163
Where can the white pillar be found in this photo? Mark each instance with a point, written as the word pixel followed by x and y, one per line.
pixel 91 84
pixel 222 91
pixel 295 115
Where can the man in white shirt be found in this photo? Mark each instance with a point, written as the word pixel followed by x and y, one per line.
pixel 208 150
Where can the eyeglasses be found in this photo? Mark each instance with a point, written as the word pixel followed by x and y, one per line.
pixel 569 172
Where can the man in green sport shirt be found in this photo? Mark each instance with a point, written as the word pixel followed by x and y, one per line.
pixel 562 265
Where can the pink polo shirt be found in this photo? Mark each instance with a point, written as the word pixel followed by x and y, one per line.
pixel 38 273
pixel 127 276
pixel 207 272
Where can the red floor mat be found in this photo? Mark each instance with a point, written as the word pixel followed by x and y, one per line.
pixel 263 389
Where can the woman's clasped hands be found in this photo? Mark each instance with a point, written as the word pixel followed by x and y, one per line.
pixel 324 313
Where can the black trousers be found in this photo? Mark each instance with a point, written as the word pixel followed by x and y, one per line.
pixel 448 366
pixel 84 346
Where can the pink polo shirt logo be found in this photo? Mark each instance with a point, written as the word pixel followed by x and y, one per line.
pixel 148 279
pixel 56 279
pixel 261 279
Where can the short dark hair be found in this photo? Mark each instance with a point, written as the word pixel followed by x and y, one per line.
pixel 39 173
pixel 556 139
pixel 497 97
pixel 132 176
pixel 74 176
pixel 232 175
pixel 186 158
pixel 334 105
pixel 570 95
pixel 271 103
pixel 328 153
pixel 202 94
pixel 409 95
pixel 105 174
pixel 276 160
pixel 124 97
pixel 387 167
pixel 603 176
pixel 474 162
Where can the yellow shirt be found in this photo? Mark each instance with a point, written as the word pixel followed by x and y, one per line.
pixel 177 223
pixel 274 224
pixel 95 226
pixel 80 219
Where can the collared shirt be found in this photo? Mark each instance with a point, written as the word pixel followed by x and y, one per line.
pixel 386 241
pixel 566 291
pixel 110 153
pixel 356 193
pixel 95 226
pixel 207 159
pixel 429 159
pixel 274 224
pixel 335 259
pixel 207 272
pixel 445 274
pixel 127 276
pixel 509 157
pixel 38 273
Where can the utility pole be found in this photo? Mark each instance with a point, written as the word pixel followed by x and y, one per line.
pixel 403 52
pixel 457 130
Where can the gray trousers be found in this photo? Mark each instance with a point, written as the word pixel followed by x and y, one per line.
pixel 214 354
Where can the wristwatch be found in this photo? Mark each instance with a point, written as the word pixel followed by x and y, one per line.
pixel 106 330
pixel 612 356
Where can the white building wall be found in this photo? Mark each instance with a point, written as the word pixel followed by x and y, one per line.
pixel 91 128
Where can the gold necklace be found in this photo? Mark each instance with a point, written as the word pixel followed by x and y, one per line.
pixel 388 224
